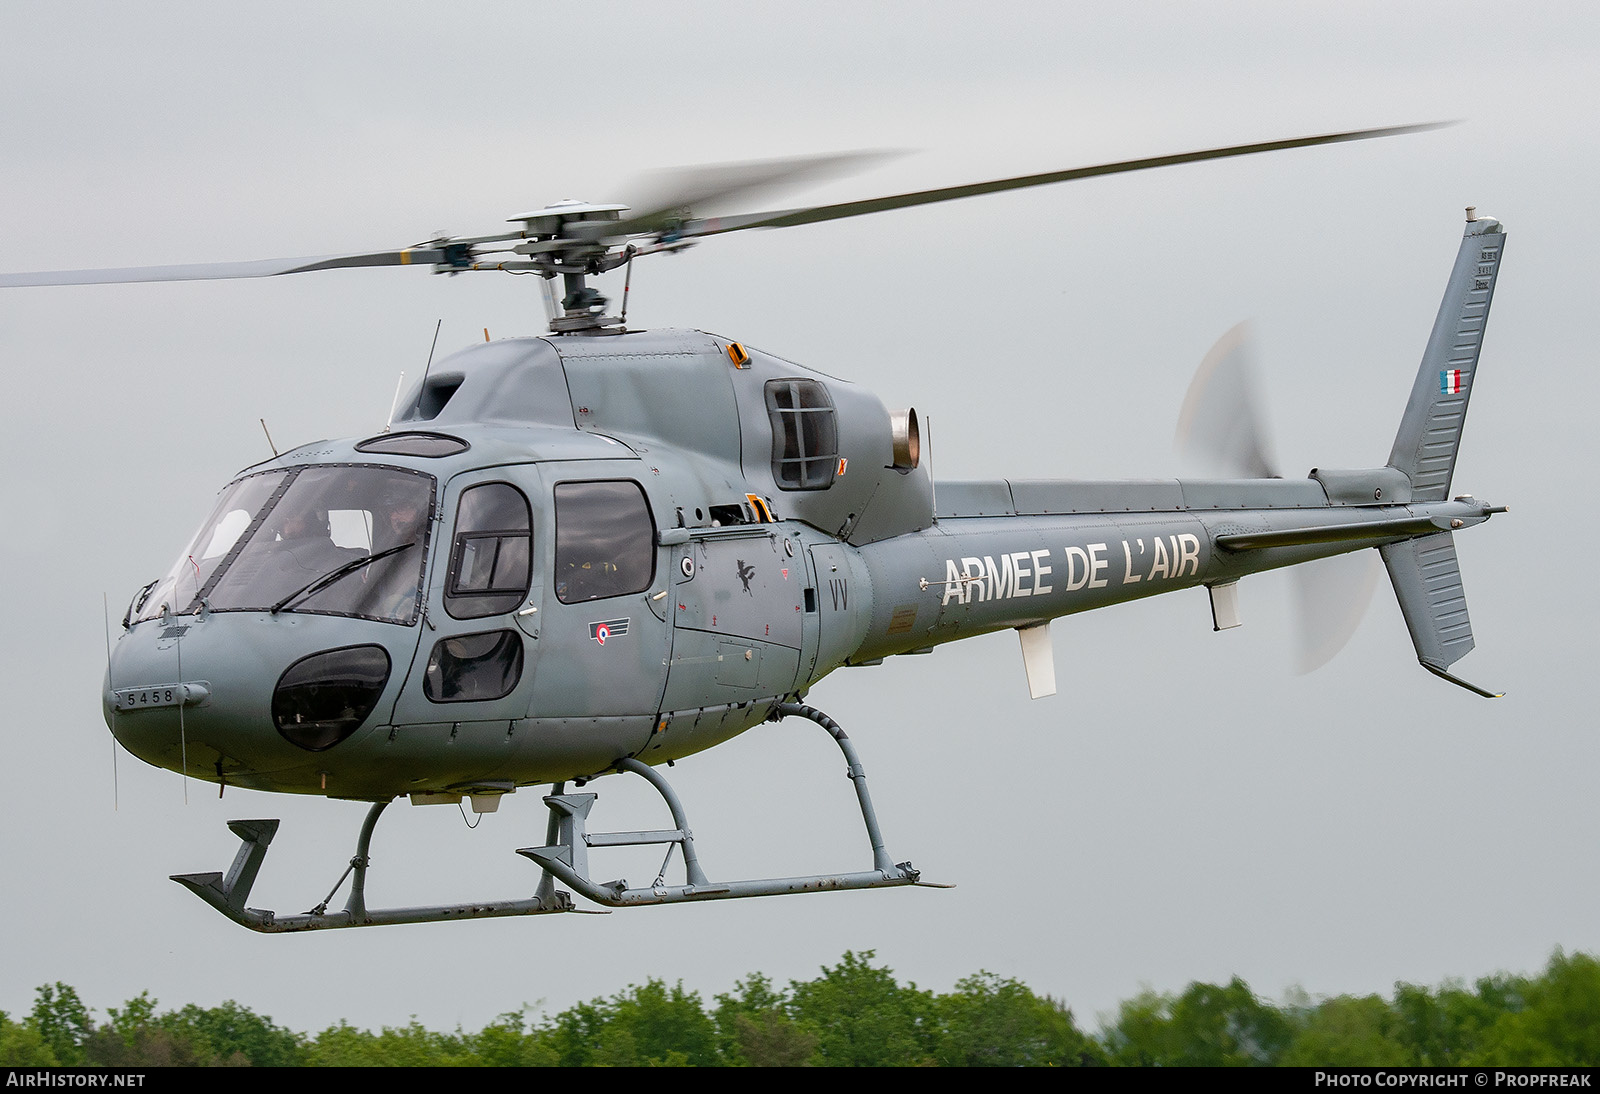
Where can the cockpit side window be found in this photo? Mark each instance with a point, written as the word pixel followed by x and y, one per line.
pixel 491 561
pixel 605 541
pixel 805 434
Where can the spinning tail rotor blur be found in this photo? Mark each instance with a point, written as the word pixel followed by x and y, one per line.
pixel 1221 430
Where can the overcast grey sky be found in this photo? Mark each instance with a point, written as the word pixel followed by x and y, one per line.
pixel 1185 808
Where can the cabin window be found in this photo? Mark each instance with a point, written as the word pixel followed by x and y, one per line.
pixel 805 434
pixel 473 667
pixel 491 560
pixel 605 541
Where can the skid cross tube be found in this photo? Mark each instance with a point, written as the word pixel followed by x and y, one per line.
pixel 228 893
pixel 881 859
pixel 567 858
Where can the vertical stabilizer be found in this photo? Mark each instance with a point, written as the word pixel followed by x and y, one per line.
pixel 1427 582
pixel 1430 432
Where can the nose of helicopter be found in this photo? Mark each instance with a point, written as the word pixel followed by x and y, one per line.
pixel 250 697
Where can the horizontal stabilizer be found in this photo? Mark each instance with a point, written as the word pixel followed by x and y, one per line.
pixel 1427 582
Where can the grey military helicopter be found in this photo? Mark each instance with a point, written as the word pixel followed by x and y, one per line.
pixel 600 550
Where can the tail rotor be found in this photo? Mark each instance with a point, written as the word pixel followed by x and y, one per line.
pixel 1220 429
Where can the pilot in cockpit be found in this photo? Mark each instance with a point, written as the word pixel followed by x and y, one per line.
pixel 305 543
pixel 402 522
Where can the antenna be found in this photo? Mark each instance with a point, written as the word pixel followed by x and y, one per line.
pixel 183 736
pixel 423 388
pixel 264 429
pixel 105 611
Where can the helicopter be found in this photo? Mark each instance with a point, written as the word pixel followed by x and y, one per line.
pixel 600 550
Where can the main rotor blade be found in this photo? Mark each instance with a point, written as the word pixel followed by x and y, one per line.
pixel 672 195
pixel 788 218
pixel 662 215
pixel 208 271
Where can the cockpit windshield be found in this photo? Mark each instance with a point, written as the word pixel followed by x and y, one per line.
pixel 300 540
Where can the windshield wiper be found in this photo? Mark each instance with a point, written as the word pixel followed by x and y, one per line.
pixel 334 575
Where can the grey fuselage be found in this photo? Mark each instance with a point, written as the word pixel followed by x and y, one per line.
pixel 768 558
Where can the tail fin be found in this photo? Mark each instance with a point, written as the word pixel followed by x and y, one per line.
pixel 1430 431
pixel 1424 571
pixel 1427 582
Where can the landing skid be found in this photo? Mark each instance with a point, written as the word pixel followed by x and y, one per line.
pixel 228 892
pixel 564 858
